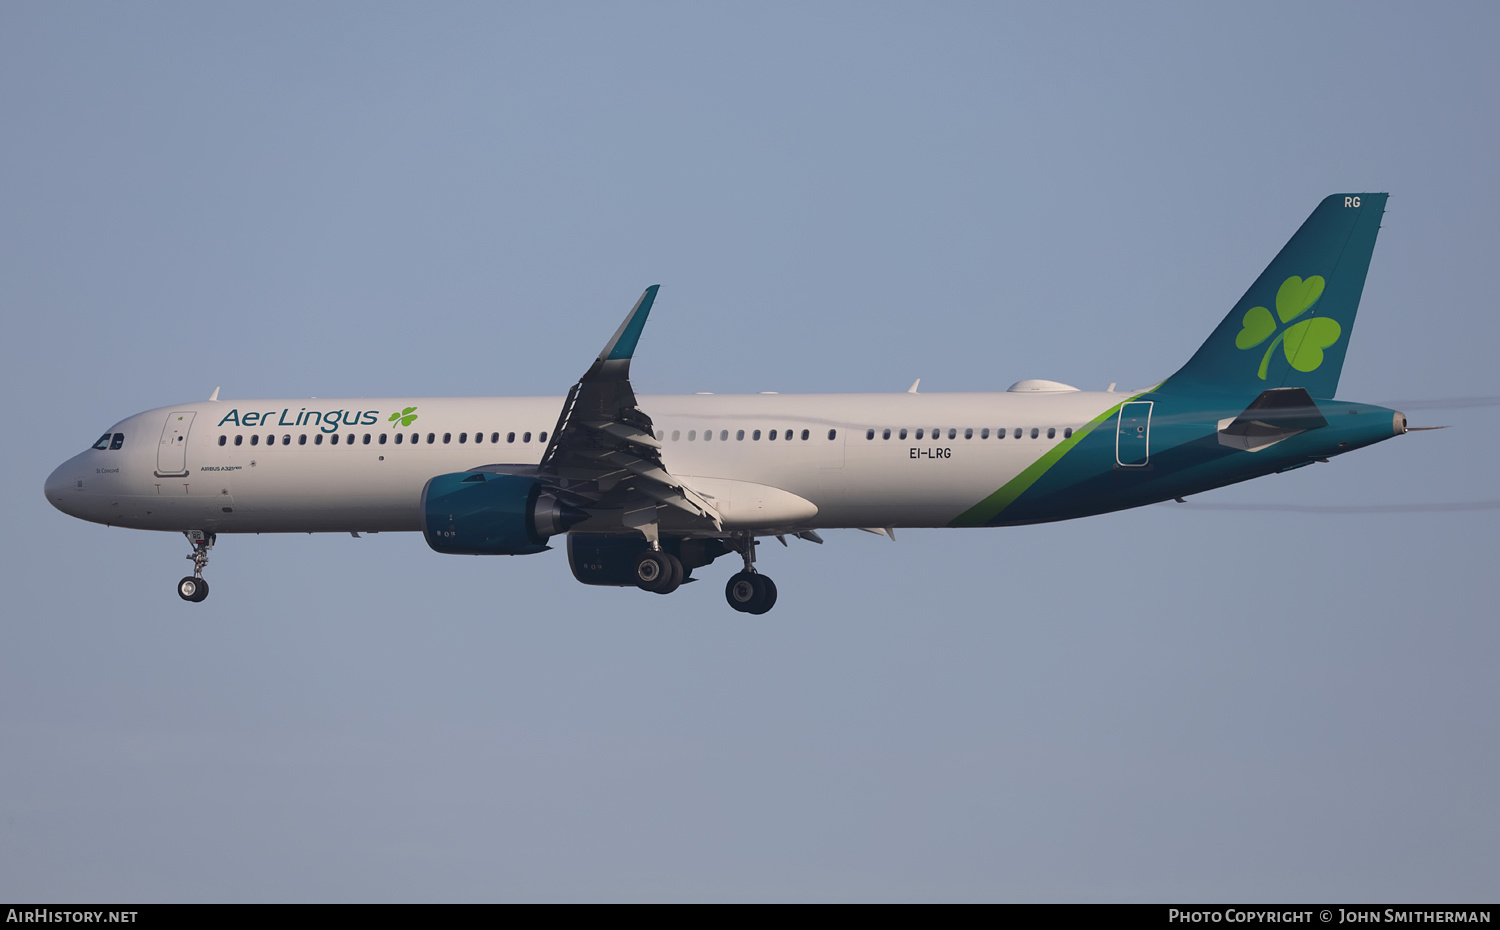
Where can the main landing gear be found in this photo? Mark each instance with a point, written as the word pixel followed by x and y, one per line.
pixel 194 588
pixel 749 591
pixel 659 571
pixel 663 572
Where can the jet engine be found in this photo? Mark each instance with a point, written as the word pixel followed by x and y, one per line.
pixel 483 513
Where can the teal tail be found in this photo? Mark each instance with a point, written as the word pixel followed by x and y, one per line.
pixel 1292 327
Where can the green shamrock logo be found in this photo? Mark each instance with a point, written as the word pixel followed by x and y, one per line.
pixel 405 417
pixel 1302 342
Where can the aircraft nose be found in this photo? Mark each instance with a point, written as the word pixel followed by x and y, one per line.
pixel 60 485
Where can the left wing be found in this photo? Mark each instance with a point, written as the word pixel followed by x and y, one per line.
pixel 604 452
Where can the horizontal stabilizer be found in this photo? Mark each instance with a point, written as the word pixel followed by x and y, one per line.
pixel 1277 414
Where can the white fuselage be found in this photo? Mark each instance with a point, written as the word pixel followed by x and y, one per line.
pixel 259 466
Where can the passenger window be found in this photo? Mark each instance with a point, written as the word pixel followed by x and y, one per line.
pixel 1017 433
pixel 302 440
pixel 494 437
pixel 398 439
pixel 542 437
pixel 510 437
pixel 723 435
pixel 447 438
pixel 869 434
pixel 903 433
pixel 223 440
pixel 238 440
pixel 463 438
pixel 755 435
pixel 772 436
pixel 805 434
pixel 708 435
pixel 885 434
pixel 984 433
pixel 382 439
pixel 103 443
pixel 692 435
pixel 526 437
pixel 318 439
pixel 676 435
pixel 1068 433
pixel 1033 432
pixel 254 439
pixel 919 433
pixel 1051 433
pixel 431 438
pixel 333 439
pixel 286 439
pixel 832 433
pixel 739 435
pixel 366 440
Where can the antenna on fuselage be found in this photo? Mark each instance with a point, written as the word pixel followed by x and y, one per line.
pixel 214 395
pixel 913 388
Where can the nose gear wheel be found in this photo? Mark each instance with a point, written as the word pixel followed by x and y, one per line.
pixel 194 588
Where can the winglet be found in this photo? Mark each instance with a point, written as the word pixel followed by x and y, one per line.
pixel 622 345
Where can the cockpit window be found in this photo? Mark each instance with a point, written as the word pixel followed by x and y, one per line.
pixel 103 442
pixel 117 442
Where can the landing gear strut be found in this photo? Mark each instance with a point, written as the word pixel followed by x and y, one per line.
pixel 193 587
pixel 749 591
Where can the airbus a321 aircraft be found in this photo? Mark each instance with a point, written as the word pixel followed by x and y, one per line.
pixel 650 489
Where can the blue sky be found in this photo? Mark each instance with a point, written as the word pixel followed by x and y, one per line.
pixel 1169 704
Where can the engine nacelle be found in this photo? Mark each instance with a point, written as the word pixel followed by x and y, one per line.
pixel 610 560
pixel 483 513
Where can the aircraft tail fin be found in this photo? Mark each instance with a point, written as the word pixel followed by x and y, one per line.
pixel 1292 327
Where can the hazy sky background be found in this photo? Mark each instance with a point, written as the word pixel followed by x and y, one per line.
pixel 1169 704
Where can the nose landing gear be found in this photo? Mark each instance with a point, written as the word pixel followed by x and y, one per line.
pixel 193 587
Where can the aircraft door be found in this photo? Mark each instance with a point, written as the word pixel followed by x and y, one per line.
pixel 171 453
pixel 1133 436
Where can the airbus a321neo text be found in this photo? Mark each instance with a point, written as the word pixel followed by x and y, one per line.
pixel 648 490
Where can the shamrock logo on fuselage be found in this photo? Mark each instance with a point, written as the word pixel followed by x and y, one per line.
pixel 1302 342
pixel 404 418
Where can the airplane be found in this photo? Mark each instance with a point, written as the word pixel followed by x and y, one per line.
pixel 647 490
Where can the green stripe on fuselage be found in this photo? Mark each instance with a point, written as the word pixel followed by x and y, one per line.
pixel 988 509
